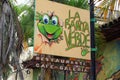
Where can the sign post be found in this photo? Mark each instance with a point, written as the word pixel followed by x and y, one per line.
pixel 93 49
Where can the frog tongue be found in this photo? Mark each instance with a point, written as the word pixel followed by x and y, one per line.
pixel 50 36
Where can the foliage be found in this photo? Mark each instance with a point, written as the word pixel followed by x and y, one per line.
pixel 26 17
pixel 107 9
pixel 100 42
pixel 77 3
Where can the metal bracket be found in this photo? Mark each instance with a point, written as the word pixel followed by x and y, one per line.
pixel 94 49
pixel 93 20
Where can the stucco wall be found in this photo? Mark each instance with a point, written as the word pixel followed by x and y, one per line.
pixel 111 60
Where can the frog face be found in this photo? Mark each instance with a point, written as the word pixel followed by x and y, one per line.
pixel 49 27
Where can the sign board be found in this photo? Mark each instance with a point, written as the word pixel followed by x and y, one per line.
pixel 62 30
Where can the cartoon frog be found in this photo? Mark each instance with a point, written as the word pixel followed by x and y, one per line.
pixel 49 26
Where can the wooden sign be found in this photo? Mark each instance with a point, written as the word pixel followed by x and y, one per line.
pixel 61 30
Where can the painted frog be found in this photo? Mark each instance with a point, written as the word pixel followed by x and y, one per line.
pixel 49 26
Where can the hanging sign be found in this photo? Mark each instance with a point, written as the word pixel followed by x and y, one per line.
pixel 61 30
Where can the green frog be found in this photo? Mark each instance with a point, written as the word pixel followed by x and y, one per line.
pixel 49 26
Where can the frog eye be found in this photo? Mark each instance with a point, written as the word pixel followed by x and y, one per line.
pixel 54 20
pixel 46 19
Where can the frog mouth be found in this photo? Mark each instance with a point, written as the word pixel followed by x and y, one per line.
pixel 49 36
